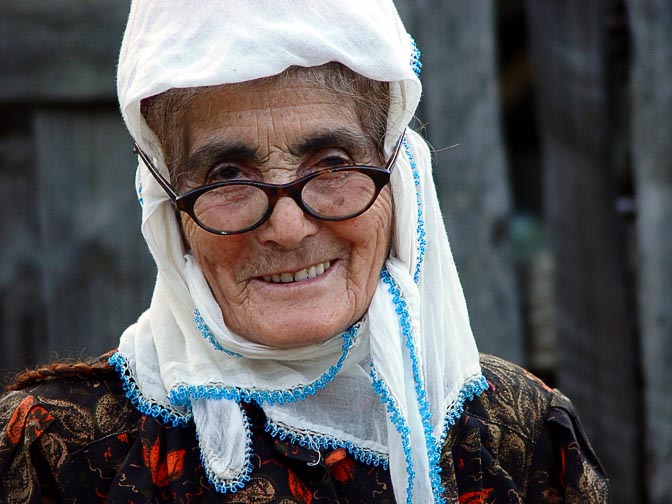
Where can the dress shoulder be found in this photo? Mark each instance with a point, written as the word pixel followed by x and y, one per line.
pixel 522 441
pixel 515 399
pixel 47 421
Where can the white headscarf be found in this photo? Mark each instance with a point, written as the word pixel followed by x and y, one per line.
pixel 388 389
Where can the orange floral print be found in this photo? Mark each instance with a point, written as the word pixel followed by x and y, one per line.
pixel 163 470
pixel 477 497
pixel 37 421
pixel 16 424
pixel 344 470
pixel 299 490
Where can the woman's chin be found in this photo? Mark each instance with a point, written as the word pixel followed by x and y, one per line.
pixel 295 332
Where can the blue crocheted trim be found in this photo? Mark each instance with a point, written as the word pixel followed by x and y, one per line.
pixel 141 200
pixel 181 395
pixel 473 388
pixel 399 422
pixel 166 414
pixel 207 334
pixel 225 486
pixel 433 448
pixel 416 64
pixel 420 231
pixel 317 441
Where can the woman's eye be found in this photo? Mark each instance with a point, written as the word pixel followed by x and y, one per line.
pixel 224 173
pixel 333 162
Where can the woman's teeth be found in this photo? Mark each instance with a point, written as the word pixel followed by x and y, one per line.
pixel 304 274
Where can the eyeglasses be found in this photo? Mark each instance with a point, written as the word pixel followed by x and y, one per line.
pixel 238 206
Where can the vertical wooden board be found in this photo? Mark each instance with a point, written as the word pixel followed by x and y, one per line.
pixel 64 50
pixel 21 309
pixel 597 344
pixel 651 24
pixel 460 108
pixel 97 272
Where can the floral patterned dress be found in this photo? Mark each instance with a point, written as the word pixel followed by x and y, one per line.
pixel 78 439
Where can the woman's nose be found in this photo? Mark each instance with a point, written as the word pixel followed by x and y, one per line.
pixel 288 225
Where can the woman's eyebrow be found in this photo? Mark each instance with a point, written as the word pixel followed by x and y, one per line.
pixel 221 150
pixel 340 137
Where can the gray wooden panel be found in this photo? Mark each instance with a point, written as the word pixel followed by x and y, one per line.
pixel 595 314
pixel 460 107
pixel 61 50
pixel 97 273
pixel 651 22
pixel 21 309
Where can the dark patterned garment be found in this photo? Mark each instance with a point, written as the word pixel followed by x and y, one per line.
pixel 80 440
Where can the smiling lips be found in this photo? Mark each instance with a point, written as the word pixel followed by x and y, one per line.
pixel 304 274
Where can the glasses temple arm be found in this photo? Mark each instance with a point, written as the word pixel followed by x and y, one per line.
pixel 154 170
pixel 397 149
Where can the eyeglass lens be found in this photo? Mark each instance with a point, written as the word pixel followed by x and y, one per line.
pixel 331 195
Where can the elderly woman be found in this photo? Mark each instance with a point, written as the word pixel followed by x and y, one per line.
pixel 307 340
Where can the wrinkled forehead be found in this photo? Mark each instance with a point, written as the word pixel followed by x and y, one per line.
pixel 338 86
pixel 292 107
pixel 275 112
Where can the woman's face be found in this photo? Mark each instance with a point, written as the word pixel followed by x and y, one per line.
pixel 278 129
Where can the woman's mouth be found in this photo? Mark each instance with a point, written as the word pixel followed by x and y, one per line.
pixel 311 272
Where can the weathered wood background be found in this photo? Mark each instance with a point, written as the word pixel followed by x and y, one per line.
pixel 583 139
pixel 552 123
pixel 74 271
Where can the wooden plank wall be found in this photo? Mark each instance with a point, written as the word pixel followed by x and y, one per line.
pixel 605 118
pixel 651 140
pixel 21 316
pixel 595 319
pixel 74 270
pixel 96 270
pixel 60 52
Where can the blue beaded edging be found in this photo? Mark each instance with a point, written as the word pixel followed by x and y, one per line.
pixel 399 423
pixel 421 244
pixel 224 486
pixel 433 448
pixel 166 414
pixel 473 388
pixel 316 441
pixel 416 64
pixel 181 395
pixel 207 334
pixel 141 200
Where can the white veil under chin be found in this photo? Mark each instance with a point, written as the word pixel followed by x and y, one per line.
pixel 409 364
